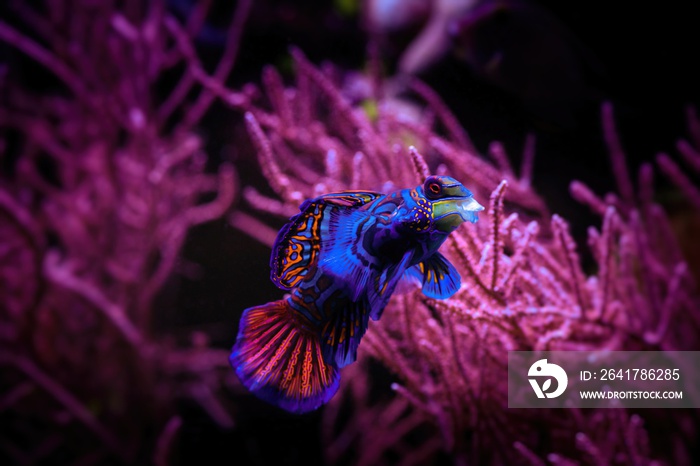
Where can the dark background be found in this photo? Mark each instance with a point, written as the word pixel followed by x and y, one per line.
pixel 641 58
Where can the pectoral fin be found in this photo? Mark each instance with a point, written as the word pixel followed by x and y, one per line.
pixel 440 278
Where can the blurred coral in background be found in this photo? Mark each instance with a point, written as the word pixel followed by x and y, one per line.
pixel 103 176
pixel 515 45
pixel 106 172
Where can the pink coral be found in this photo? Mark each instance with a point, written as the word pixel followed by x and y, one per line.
pixel 525 288
pixel 105 178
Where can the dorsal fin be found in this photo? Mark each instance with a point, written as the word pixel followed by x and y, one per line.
pixel 298 243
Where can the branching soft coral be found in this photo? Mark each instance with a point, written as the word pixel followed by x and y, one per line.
pixel 103 177
pixel 312 139
pixel 524 287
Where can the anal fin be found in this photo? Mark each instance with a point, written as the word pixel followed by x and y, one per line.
pixel 342 333
pixel 383 285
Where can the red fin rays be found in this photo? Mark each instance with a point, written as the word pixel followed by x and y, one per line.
pixel 279 359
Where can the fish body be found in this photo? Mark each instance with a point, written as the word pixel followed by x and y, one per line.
pixel 341 258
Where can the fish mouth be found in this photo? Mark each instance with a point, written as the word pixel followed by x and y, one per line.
pixel 467 209
pixel 451 212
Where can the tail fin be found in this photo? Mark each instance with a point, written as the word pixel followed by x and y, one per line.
pixel 279 359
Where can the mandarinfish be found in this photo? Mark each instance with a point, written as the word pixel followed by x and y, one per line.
pixel 342 257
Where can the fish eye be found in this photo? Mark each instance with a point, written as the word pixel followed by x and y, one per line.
pixel 433 188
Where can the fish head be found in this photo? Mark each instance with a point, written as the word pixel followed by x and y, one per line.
pixel 452 203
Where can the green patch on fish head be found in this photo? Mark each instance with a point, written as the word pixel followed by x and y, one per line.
pixel 452 203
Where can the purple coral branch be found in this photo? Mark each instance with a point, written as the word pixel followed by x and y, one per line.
pixel 357 129
pixel 253 227
pixel 457 133
pixel 203 394
pixel 693 125
pixel 690 154
pixel 270 168
pixel 646 187
pixel 606 256
pixel 276 93
pixel 617 154
pixel 166 439
pixel 421 168
pixel 519 257
pixel 673 295
pixel 126 192
pixel 61 274
pixel 568 245
pixel 676 175
pixel 459 247
pixel 496 212
pixel 651 268
pixel 195 22
pixel 65 398
pixel 223 68
pixel 266 204
pixel 358 162
pixel 43 56
pixel 23 218
pixel 213 85
pixel 225 189
pixel 584 195
pixel 666 235
pixel 528 454
pixel 498 154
